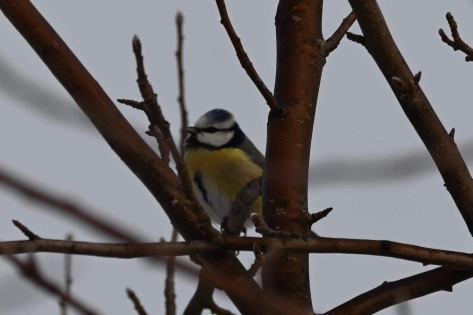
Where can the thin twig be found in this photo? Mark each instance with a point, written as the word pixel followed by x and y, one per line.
pixel 31 236
pixel 262 228
pixel 202 298
pixel 67 278
pixel 332 43
pixel 241 208
pixel 155 116
pixel 180 71
pixel 359 39
pixel 258 263
pixel 30 271
pixel 457 43
pixel 136 302
pixel 169 291
pixel 243 57
pixel 314 217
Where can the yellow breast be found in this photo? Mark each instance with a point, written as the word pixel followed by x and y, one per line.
pixel 227 170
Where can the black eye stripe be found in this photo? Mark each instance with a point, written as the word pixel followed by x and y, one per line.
pixel 214 130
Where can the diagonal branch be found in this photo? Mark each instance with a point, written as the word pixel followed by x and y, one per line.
pixel 243 57
pixel 136 302
pixel 392 293
pixel 185 214
pixel 332 43
pixel 457 43
pixel 30 271
pixel 64 206
pixel 416 106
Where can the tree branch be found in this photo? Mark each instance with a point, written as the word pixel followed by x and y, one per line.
pixel 186 215
pixel 30 271
pixel 332 43
pixel 136 302
pixel 67 279
pixel 169 291
pixel 180 71
pixel 241 208
pixel 64 206
pixel 416 106
pixel 391 249
pixel 202 298
pixel 392 293
pixel 243 57
pixel 457 43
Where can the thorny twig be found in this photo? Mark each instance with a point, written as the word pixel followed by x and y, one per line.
pixel 314 217
pixel 457 43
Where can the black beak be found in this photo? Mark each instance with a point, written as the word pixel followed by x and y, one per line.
pixel 192 130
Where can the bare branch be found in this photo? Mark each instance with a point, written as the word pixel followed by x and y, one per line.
pixel 416 106
pixel 315 217
pixel 256 266
pixel 31 236
pixel 185 214
pixel 392 293
pixel 359 39
pixel 241 208
pixel 262 228
pixel 243 57
pixel 155 132
pixel 136 302
pixel 156 118
pixel 169 291
pixel 457 43
pixel 64 206
pixel 332 43
pixel 203 299
pixel 391 249
pixel 30 271
pixel 180 71
pixel 67 278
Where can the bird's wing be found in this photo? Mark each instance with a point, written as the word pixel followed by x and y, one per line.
pixel 249 148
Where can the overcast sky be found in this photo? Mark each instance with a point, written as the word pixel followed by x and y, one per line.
pixel 370 164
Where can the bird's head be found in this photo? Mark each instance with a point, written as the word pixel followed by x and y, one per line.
pixel 214 129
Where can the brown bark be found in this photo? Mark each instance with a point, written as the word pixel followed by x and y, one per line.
pixel 380 44
pixel 392 293
pixel 299 68
pixel 164 185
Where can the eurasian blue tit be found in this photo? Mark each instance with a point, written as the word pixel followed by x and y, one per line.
pixel 221 160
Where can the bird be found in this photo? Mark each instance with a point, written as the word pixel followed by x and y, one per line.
pixel 220 160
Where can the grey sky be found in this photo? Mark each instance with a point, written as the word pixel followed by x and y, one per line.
pixel 358 123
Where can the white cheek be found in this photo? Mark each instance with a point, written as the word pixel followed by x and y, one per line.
pixel 216 139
